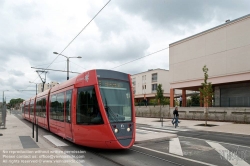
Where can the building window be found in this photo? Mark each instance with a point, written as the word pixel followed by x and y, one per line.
pixel 134 81
pixel 154 87
pixel 154 77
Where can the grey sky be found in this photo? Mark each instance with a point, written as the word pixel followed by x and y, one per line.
pixel 125 30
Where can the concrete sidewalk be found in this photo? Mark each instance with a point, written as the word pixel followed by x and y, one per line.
pixel 17 147
pixel 225 127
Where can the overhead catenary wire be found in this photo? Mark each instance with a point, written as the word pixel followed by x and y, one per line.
pixel 141 57
pixel 76 36
pixel 80 32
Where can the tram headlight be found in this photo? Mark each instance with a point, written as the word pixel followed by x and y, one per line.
pixel 128 129
pixel 116 130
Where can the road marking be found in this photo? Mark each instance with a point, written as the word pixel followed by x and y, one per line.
pixel 168 131
pixel 215 141
pixel 175 146
pixel 146 131
pixel 231 157
pixel 54 140
pixel 184 158
pixel 174 129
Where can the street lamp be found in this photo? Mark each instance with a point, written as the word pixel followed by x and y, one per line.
pixel 67 62
pixel 3 94
pixel 36 85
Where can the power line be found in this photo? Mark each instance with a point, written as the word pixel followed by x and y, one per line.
pixel 80 31
pixel 78 65
pixel 141 57
pixel 77 35
pixel 56 70
pixel 49 63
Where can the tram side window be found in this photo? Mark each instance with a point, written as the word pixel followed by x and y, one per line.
pixel 53 107
pixel 32 107
pixel 38 107
pixel 25 108
pixel 88 111
pixel 43 111
pixel 68 106
pixel 57 107
pixel 60 106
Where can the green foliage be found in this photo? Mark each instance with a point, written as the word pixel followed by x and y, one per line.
pixel 195 100
pixel 159 95
pixel 166 101
pixel 14 102
pixel 206 90
pixel 152 102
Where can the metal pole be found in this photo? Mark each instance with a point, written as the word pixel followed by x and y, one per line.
pixel 2 109
pixel 36 89
pixel 37 130
pixel 67 68
pixel 33 127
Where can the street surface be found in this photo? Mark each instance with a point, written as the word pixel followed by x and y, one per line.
pixel 191 147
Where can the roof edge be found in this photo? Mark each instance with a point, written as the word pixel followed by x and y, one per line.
pixel 206 31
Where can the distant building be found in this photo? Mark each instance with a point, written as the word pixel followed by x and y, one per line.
pixel 145 84
pixel 46 86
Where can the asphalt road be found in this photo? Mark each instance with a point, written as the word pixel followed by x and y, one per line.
pixel 195 146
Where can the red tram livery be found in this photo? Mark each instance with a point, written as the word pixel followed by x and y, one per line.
pixel 94 109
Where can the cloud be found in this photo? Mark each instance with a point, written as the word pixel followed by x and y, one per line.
pixel 173 14
pixel 16 73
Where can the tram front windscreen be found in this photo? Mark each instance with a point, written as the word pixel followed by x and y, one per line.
pixel 116 97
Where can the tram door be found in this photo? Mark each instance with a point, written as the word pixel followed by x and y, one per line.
pixel 68 120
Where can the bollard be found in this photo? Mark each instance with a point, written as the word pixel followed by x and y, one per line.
pixel 33 127
pixel 36 130
pixel 161 121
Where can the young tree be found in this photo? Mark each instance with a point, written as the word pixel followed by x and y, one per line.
pixel 159 97
pixel 206 93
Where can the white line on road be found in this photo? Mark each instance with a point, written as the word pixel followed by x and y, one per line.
pixel 54 140
pixel 184 158
pixel 146 131
pixel 216 141
pixel 231 157
pixel 175 146
pixel 168 131
pixel 172 128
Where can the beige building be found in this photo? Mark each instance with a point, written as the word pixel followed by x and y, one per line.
pixel 145 84
pixel 225 50
pixel 46 86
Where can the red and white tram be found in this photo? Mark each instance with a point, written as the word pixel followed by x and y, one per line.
pixel 94 109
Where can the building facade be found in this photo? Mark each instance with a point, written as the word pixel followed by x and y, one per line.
pixel 145 84
pixel 225 50
pixel 46 86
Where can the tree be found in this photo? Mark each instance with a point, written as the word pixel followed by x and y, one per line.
pixel 195 99
pixel 206 93
pixel 159 97
pixel 15 102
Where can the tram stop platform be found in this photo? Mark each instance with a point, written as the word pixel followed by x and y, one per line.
pixel 17 147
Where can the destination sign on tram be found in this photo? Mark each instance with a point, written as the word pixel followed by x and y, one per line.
pixel 111 83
